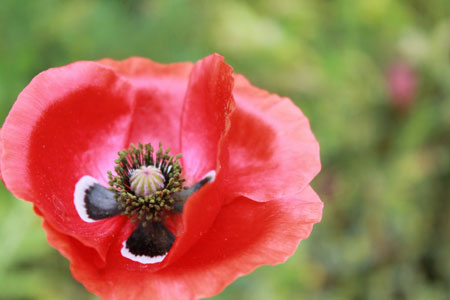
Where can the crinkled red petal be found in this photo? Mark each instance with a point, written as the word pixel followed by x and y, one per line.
pixel 248 234
pixel 205 121
pixel 159 95
pixel 272 151
pixel 206 110
pixel 67 123
pixel 245 235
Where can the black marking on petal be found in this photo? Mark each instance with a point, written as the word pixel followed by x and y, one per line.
pixel 149 244
pixel 183 195
pixel 100 203
pixel 93 201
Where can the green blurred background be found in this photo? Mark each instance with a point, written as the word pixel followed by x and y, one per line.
pixel 373 77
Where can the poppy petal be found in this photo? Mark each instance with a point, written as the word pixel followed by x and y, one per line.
pixel 245 235
pixel 85 262
pixel 272 151
pixel 67 123
pixel 206 108
pixel 159 95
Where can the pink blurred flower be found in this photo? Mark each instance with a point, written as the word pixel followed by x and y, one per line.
pixel 402 85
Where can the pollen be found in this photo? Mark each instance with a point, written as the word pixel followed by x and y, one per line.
pixel 145 181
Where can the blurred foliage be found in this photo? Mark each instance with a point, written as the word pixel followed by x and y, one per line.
pixel 385 182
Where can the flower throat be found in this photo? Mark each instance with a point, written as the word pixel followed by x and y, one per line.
pixel 146 182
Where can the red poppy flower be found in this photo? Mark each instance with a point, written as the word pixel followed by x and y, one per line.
pixel 247 160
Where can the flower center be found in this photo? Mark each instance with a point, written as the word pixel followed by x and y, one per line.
pixel 146 180
pixel 144 183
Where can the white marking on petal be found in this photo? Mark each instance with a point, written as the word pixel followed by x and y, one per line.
pixel 79 197
pixel 143 259
pixel 211 175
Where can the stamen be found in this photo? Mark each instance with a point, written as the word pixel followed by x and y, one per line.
pixel 145 183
